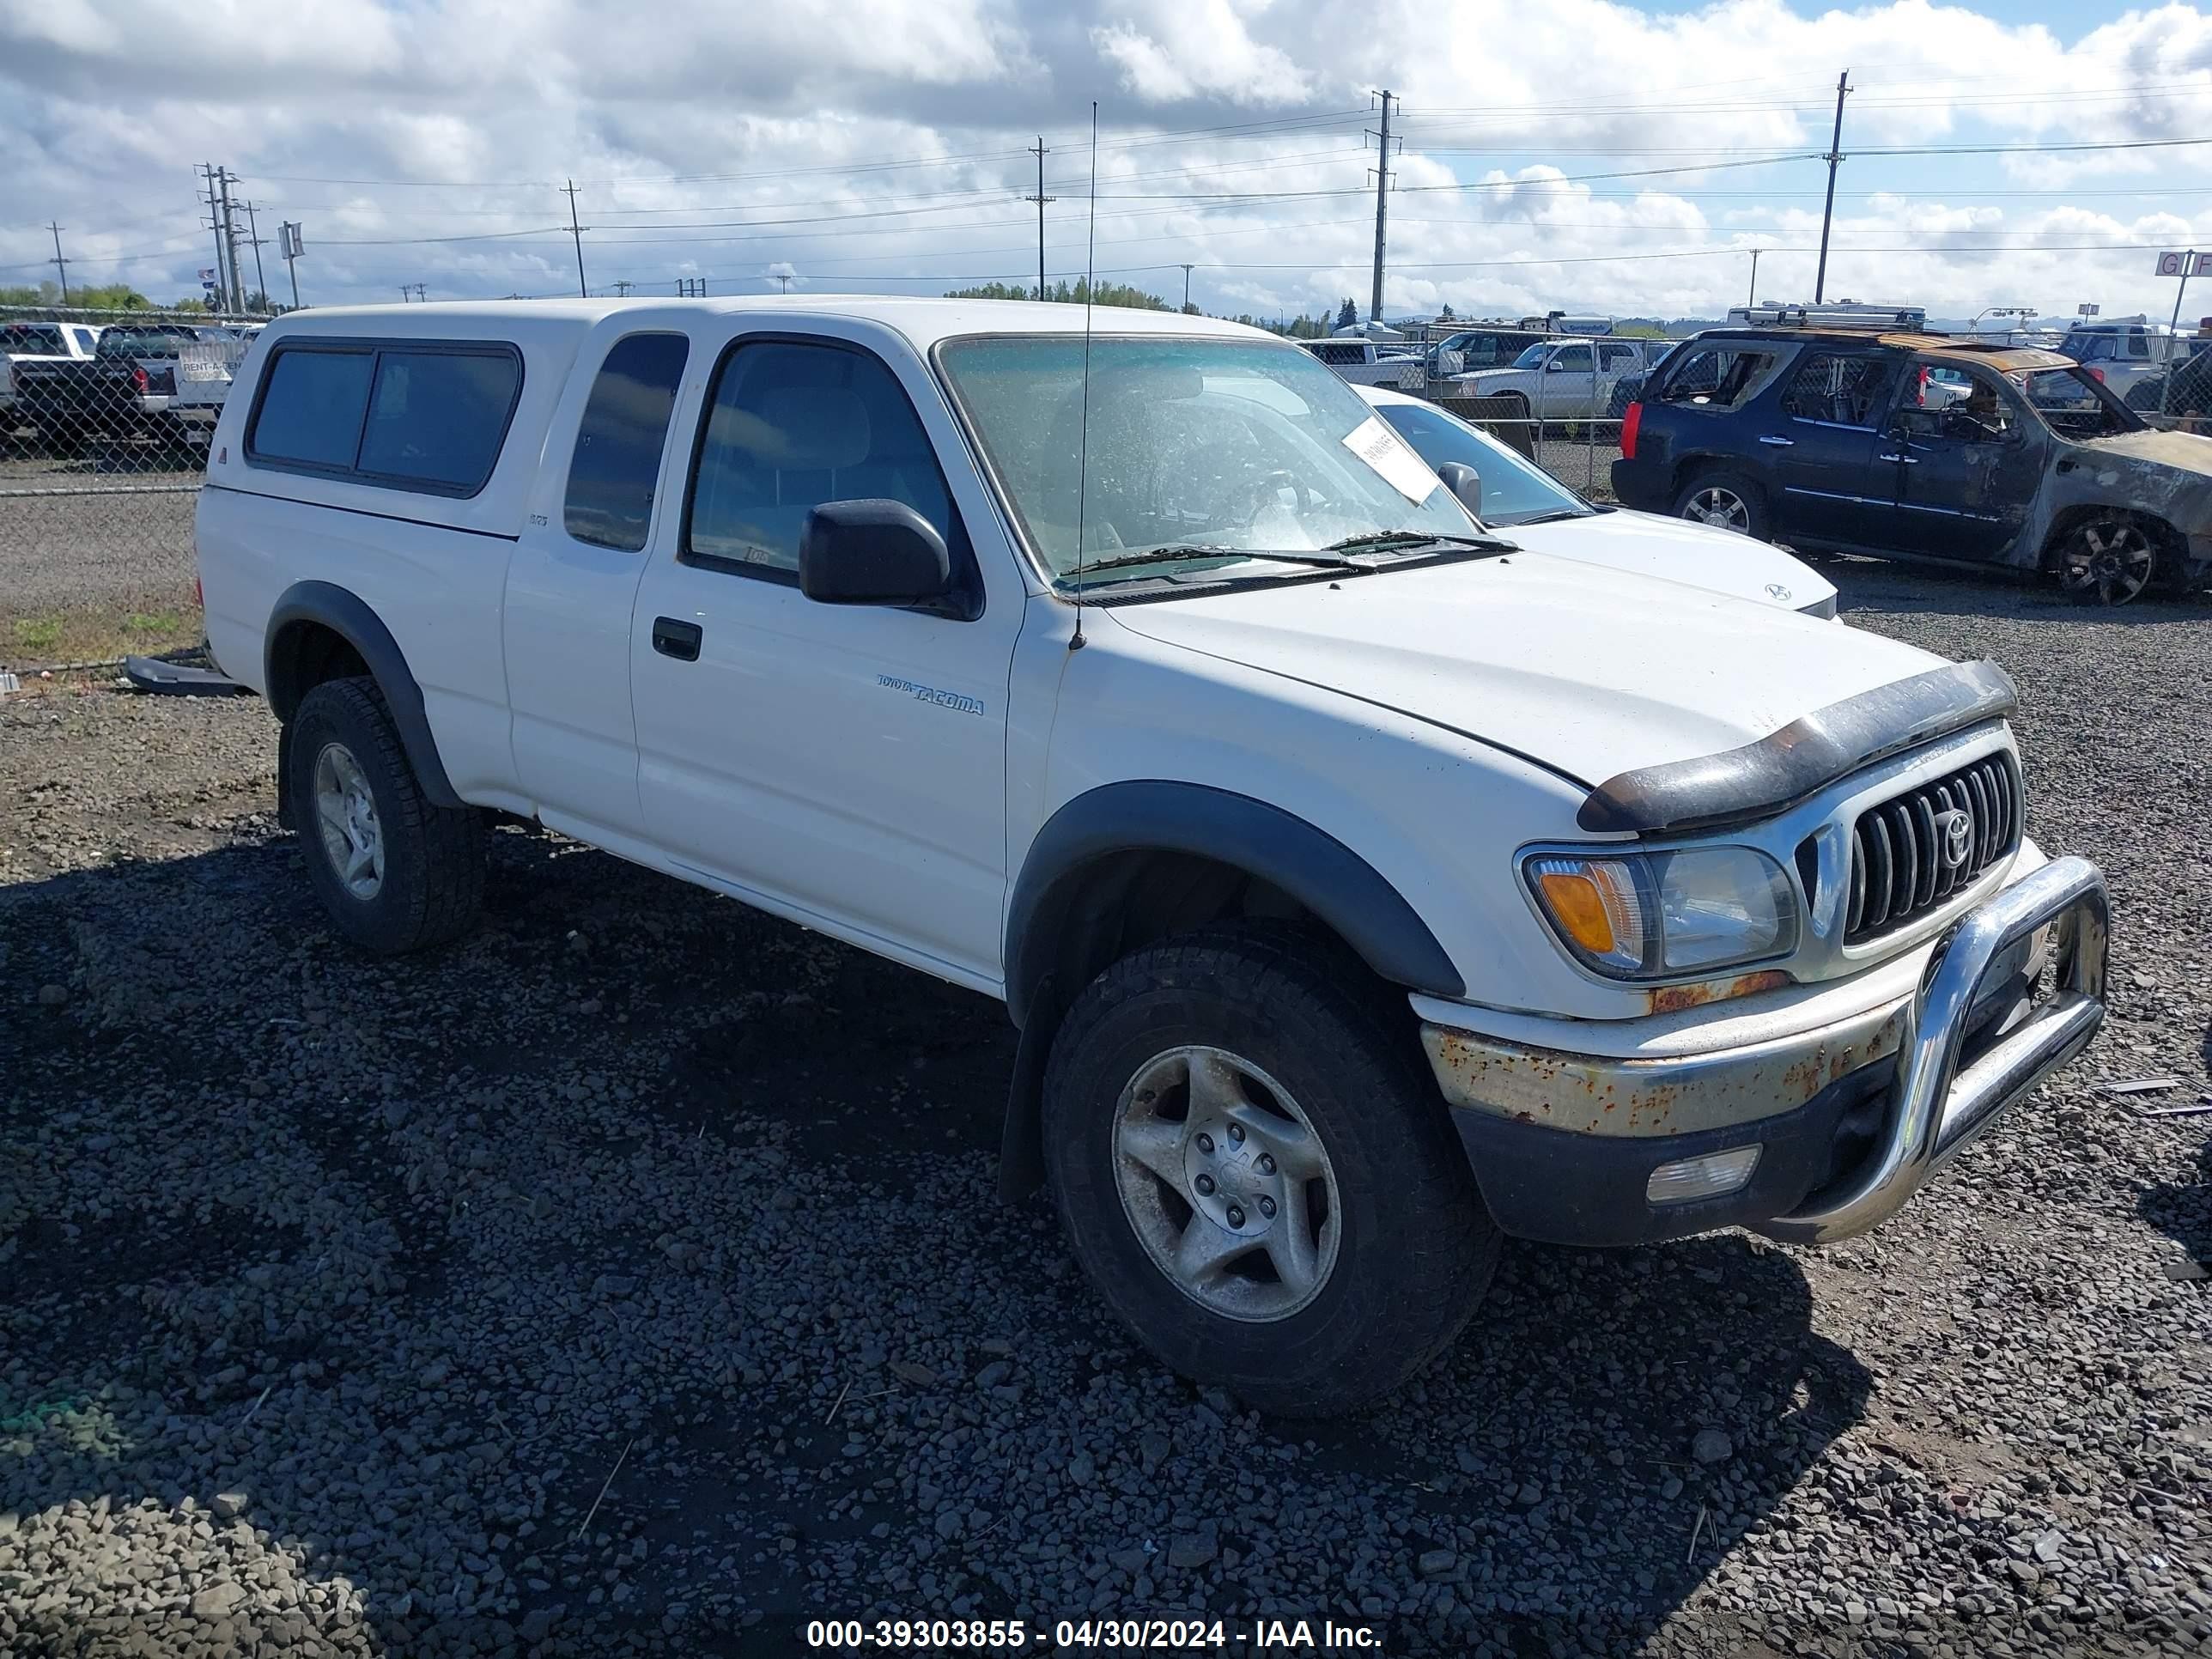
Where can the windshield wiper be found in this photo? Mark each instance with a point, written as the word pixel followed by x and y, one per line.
pixel 1201 550
pixel 1555 516
pixel 1383 541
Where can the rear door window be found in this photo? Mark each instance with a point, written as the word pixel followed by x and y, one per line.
pixel 616 462
pixel 1839 388
pixel 311 408
pixel 1716 376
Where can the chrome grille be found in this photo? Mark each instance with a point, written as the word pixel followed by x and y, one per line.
pixel 1910 852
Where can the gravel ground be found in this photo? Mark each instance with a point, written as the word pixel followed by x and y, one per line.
pixel 630 1278
pixel 75 570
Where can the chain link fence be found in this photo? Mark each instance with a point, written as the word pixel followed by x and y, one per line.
pixel 105 417
pixel 1578 450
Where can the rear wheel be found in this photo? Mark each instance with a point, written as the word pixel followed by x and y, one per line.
pixel 1254 1169
pixel 2108 560
pixel 394 872
pixel 1726 501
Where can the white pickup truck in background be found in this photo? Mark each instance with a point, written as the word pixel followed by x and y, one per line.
pixel 1561 379
pixel 39 343
pixel 1365 885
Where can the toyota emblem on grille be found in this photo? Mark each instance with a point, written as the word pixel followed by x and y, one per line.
pixel 1958 830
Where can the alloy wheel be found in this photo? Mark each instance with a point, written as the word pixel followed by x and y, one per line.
pixel 1226 1184
pixel 1719 506
pixel 345 817
pixel 2109 561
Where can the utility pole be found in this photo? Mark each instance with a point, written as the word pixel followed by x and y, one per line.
pixel 577 231
pixel 253 236
pixel 60 264
pixel 214 220
pixel 225 178
pixel 1040 198
pixel 1827 213
pixel 1186 288
pixel 622 286
pixel 288 244
pixel 780 277
pixel 1751 298
pixel 1382 205
pixel 691 288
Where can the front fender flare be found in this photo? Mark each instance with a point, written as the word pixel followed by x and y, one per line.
pixel 1158 815
pixel 346 614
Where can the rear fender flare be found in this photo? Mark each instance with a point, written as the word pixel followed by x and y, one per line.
pixel 346 614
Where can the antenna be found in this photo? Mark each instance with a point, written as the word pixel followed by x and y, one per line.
pixel 1083 443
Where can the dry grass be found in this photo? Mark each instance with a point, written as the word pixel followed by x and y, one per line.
pixel 44 639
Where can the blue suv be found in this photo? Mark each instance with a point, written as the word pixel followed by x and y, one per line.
pixel 1919 447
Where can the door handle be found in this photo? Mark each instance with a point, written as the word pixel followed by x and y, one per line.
pixel 1901 459
pixel 1780 443
pixel 679 640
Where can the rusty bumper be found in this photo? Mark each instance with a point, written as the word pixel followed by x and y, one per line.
pixel 1847 1120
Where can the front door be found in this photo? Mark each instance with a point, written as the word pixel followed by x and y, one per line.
pixel 1963 468
pixel 1568 389
pixel 1821 451
pixel 845 764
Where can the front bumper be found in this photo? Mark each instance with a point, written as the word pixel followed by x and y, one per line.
pixel 1850 1119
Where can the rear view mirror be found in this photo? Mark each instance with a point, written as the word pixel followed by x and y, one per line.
pixel 1464 482
pixel 872 552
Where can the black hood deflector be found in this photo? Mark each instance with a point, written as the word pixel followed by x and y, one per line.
pixel 1784 766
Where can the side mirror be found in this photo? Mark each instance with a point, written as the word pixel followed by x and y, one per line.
pixel 1464 482
pixel 871 552
pixel 1555 366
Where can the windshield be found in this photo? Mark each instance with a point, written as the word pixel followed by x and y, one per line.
pixel 1532 358
pixel 1513 491
pixel 1201 449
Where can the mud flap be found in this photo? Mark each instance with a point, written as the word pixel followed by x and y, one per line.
pixel 1021 1144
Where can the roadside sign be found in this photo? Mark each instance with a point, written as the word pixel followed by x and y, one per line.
pixel 2190 263
pixel 206 274
pixel 288 241
pixel 2087 311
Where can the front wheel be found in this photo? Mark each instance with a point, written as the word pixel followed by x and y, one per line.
pixel 395 872
pixel 2109 560
pixel 1256 1172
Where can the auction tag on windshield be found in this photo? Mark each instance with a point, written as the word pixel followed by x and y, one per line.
pixel 1383 449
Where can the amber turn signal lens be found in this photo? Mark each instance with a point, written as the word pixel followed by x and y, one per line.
pixel 1579 908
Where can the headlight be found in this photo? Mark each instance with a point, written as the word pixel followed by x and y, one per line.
pixel 1656 916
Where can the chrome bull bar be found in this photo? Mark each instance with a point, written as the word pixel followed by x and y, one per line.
pixel 1935 1106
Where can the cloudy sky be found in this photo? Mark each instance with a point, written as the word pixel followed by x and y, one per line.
pixel 1577 154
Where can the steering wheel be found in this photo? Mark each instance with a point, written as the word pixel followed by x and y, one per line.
pixel 1263 491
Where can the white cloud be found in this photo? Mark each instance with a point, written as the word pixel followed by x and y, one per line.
pixel 888 139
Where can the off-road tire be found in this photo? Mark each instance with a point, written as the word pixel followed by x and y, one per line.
pixel 433 856
pixel 1416 1247
pixel 1757 522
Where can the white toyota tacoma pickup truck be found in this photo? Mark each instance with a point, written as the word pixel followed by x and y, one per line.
pixel 1363 886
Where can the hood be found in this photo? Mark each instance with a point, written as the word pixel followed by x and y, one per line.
pixel 1650 544
pixel 2186 450
pixel 1591 673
